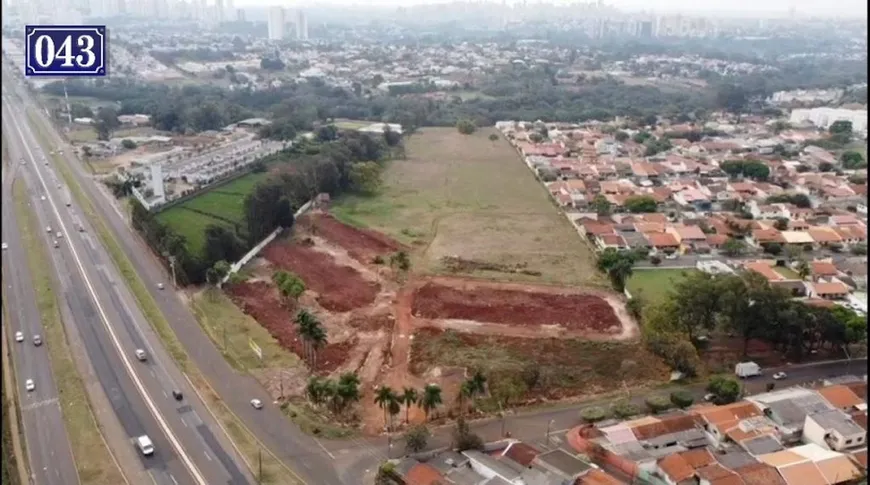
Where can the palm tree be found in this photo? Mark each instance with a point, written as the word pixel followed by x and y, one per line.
pixel 394 407
pixel 478 386
pixel 384 398
pixel 431 398
pixel 409 397
pixel 465 391
pixel 316 340
pixel 315 390
pixel 347 390
pixel 313 336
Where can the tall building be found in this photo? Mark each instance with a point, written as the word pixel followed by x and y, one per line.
pixel 301 25
pixel 276 23
pixel 240 15
pixel 219 10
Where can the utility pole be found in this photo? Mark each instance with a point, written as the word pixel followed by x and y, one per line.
pixel 549 423
pixel 172 267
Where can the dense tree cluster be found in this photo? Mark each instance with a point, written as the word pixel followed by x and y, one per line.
pixel 349 163
pixel 754 169
pixel 749 307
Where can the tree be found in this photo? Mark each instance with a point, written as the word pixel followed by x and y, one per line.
pixel 312 333
pixel 620 136
pixel 493 137
pixel 401 260
pixel 732 97
pixel 384 398
pixel 693 303
pixel 106 123
pixel 222 244
pixel 853 160
pixel 431 398
pixel 463 438
pixel 466 127
pixel 724 390
pixel 289 284
pixel 841 127
pixel 617 265
pixel 733 247
pixel 365 177
pixel 417 438
pixel 128 144
pixel 477 386
pixel 316 390
pixel 682 399
pixel 803 269
pixel 601 205
pixel 409 397
pixel 347 390
pixel 781 223
pixel 640 204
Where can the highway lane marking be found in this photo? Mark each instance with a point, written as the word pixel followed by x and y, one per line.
pixel 39 404
pixel 126 361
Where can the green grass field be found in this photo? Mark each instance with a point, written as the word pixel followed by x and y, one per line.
pixel 473 198
pixel 654 284
pixel 223 202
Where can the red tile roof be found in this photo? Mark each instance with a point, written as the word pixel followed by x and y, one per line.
pixel 661 239
pixel 424 474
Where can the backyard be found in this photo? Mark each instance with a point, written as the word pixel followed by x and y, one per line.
pixel 467 204
pixel 221 205
pixel 654 284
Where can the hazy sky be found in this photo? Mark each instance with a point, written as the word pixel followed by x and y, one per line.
pixel 855 8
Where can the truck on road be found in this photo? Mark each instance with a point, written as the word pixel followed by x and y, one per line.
pixel 747 369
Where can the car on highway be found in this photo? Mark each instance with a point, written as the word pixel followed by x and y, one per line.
pixel 141 355
pixel 5 246
pixel 58 234
pixel 159 286
pixel 37 340
pixel 177 395
pixel 41 197
pixel 48 229
pixel 709 396
pixel 56 243
pixel 19 336
pixel 257 404
pixel 29 385
pixel 145 445
pixel 779 376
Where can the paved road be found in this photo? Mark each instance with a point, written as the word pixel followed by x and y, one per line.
pixel 301 452
pixel 190 449
pixel 46 439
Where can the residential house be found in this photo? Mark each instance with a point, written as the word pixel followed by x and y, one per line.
pixel 824 236
pixel 762 237
pixel 679 467
pixel 788 409
pixel 690 238
pixel 828 290
pixel 823 269
pixel 768 211
pixel 833 429
pixel 662 242
pixel 562 464
pixel 799 239
pixel 842 397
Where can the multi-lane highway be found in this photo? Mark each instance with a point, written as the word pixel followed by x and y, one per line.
pixel 48 446
pixel 190 447
pixel 303 453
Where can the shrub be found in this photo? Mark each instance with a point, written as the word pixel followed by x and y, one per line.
pixel 655 260
pixel 128 144
pixel 657 404
pixel 593 414
pixel 416 438
pixel 682 399
pixel 624 409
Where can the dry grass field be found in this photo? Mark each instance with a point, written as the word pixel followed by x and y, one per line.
pixel 472 198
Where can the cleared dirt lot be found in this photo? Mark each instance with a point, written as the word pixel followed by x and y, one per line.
pixel 515 305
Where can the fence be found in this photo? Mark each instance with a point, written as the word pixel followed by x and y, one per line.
pixel 235 267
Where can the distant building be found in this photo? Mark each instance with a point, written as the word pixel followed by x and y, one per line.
pixel 301 25
pixel 825 117
pixel 276 23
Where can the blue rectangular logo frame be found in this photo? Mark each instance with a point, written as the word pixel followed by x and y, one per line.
pixel 87 49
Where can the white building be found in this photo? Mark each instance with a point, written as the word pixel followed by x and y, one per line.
pixel 157 181
pixel 825 117
pixel 276 23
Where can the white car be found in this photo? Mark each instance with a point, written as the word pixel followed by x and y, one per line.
pixel 779 376
pixel 56 244
pixel 5 246
pixel 257 404
pixel 29 385
pixel 19 336
pixel 159 286
pixel 709 396
pixel 37 340
pixel 48 229
pixel 41 197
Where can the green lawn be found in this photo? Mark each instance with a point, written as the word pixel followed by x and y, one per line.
pixel 654 284
pixel 226 201
pixel 787 272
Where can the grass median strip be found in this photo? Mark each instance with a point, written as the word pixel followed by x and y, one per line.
pixel 274 471
pixel 92 456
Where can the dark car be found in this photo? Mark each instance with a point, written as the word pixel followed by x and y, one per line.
pixel 177 395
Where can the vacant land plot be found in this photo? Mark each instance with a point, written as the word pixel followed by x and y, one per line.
pixel 362 244
pixel 261 300
pixel 549 368
pixel 223 205
pixel 581 312
pixel 339 288
pixel 472 198
pixel 86 134
pixel 654 284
